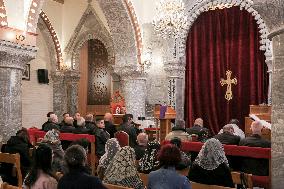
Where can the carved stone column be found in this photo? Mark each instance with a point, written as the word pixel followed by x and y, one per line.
pixel 277 130
pixel 72 78
pixel 269 62
pixel 175 70
pixel 133 89
pixel 59 93
pixel 13 58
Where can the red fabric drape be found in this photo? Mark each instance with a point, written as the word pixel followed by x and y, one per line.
pixel 222 40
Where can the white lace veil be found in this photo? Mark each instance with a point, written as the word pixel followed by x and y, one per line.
pixel 211 155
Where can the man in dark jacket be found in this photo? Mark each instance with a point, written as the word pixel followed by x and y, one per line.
pixel 53 120
pixel 109 126
pixel 101 137
pixel 63 122
pixel 89 123
pixel 68 127
pixel 48 120
pixel 81 129
pixel 128 127
pixel 255 166
pixel 142 140
pixel 198 130
pixel 228 137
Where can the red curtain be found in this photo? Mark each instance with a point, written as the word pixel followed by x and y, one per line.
pixel 222 40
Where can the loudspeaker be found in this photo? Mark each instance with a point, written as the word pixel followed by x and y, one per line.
pixel 42 75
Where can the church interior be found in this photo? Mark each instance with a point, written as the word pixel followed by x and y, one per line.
pixel 142 80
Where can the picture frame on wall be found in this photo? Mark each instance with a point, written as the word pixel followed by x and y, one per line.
pixel 27 72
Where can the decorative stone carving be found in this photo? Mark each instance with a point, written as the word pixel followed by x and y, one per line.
pixel 122 31
pixel 89 27
pixel 72 78
pixel 59 92
pixel 133 89
pixel 12 62
pixel 175 78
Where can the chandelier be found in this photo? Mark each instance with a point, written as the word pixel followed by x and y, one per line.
pixel 170 20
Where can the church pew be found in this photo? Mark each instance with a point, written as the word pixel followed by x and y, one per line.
pixel 7 186
pixel 13 159
pixel 35 134
pixel 112 186
pixel 240 151
pixel 195 185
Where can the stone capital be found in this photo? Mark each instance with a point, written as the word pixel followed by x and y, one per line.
pixel 175 68
pixel 129 72
pixel 14 55
pixel 72 76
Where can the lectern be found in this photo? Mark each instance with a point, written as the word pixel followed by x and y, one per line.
pixel 165 114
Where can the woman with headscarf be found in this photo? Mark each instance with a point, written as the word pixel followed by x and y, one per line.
pixel 111 148
pixel 149 160
pixel 122 170
pixel 211 165
pixel 51 138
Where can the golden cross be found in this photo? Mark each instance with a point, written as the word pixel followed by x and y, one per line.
pixel 228 82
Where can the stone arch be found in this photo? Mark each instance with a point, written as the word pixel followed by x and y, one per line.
pixel 54 37
pixel 96 30
pixel 33 15
pixel 3 17
pixel 194 10
pixel 118 15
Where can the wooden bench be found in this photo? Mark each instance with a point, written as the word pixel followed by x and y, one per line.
pixel 112 186
pixel 7 186
pixel 195 185
pixel 36 134
pixel 236 176
pixel 15 160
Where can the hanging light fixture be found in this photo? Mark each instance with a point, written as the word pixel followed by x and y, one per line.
pixel 170 20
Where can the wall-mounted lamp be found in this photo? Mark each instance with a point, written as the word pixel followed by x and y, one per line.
pixel 20 38
pixel 146 60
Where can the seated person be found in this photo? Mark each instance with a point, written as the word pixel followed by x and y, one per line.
pixel 81 129
pixel 77 177
pixel 77 115
pixel 255 139
pixel 41 176
pixel 110 127
pixel 166 177
pixel 101 137
pixel 122 170
pixel 237 131
pixel 68 126
pixel 199 130
pixel 112 147
pixel 129 128
pixel 250 165
pixel 211 166
pixel 142 140
pixel 52 123
pixel 89 123
pixel 63 121
pixel 16 144
pixel 185 159
pixel 51 139
pixel 179 131
pixel 149 162
pixel 227 136
pixel 48 120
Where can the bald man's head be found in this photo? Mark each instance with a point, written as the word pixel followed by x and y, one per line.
pixel 199 122
pixel 108 117
pixel 256 127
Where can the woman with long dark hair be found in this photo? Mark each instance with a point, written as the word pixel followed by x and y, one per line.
pixel 40 176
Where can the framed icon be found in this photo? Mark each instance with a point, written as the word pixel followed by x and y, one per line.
pixel 27 72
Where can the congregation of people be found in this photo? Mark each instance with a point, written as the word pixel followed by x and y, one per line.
pixel 122 165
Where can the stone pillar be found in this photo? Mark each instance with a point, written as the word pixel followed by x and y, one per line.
pixel 269 71
pixel 175 70
pixel 72 78
pixel 59 93
pixel 13 58
pixel 133 89
pixel 277 131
